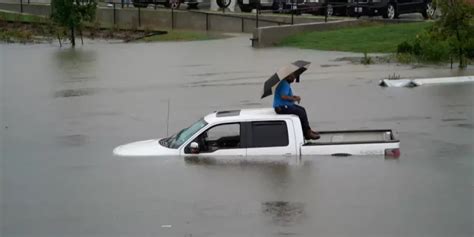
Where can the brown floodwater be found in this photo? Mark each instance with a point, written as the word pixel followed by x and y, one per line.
pixel 63 110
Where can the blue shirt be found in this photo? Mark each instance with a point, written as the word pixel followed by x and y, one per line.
pixel 283 88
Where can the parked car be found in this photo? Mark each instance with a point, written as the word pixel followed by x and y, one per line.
pixel 278 6
pixel 391 8
pixel 261 132
pixel 316 7
pixel 281 6
pixel 249 5
pixel 167 3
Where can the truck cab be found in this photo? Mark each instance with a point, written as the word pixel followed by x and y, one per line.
pixel 247 133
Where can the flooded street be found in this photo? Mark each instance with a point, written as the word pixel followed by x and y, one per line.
pixel 62 111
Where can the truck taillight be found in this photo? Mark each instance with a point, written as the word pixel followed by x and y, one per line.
pixel 392 153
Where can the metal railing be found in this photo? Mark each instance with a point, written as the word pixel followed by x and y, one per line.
pixel 222 13
pixel 259 12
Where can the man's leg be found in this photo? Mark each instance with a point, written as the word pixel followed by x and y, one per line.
pixel 310 134
pixel 306 116
pixel 301 113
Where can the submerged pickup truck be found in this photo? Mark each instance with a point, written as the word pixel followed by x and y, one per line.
pixel 254 132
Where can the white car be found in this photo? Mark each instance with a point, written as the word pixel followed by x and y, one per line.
pixel 255 132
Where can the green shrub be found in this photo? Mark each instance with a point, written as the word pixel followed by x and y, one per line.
pixel 404 47
pixel 435 51
pixel 417 50
pixel 405 58
pixel 429 46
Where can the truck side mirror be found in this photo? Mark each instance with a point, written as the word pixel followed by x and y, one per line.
pixel 194 146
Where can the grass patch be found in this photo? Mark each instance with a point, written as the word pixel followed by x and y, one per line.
pixel 176 35
pixel 375 38
pixel 25 28
pixel 19 17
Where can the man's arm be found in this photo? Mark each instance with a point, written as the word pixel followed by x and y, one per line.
pixel 291 98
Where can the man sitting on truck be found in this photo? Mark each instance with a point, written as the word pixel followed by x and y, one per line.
pixel 284 103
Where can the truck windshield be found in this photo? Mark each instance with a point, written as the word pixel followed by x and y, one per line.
pixel 178 139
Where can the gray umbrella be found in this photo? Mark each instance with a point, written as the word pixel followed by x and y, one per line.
pixel 296 68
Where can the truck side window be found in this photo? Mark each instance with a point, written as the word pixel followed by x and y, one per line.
pixel 225 136
pixel 269 134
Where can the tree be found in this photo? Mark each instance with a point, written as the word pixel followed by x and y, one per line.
pixel 71 14
pixel 456 25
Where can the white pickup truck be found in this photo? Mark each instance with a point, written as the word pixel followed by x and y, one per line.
pixel 254 132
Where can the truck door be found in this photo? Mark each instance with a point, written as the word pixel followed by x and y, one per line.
pixel 219 140
pixel 274 138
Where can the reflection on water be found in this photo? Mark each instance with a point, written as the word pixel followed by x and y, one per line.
pixel 240 161
pixel 453 119
pixel 76 65
pixel 74 92
pixel 284 213
pixel 209 74
pixel 73 140
pixel 466 125
pixel 330 65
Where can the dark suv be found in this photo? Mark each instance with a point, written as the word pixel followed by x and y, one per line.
pixel 329 7
pixel 390 8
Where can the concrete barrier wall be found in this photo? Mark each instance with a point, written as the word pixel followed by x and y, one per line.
pixel 10 7
pixel 35 10
pixel 233 24
pixel 105 16
pixel 26 1
pixel 126 18
pixel 195 21
pixel 272 35
pixel 155 20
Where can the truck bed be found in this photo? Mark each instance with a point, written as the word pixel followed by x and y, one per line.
pixel 353 136
pixel 352 142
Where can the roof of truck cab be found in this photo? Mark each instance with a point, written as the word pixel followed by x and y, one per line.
pixel 245 115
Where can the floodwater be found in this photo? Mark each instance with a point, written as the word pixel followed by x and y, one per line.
pixel 63 110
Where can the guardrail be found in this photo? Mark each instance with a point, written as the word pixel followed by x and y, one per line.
pixel 257 16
